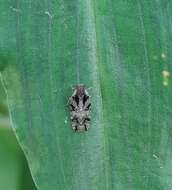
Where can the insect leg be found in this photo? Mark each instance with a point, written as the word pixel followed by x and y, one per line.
pixel 86 126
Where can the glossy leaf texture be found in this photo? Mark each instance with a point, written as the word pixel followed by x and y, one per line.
pixel 122 50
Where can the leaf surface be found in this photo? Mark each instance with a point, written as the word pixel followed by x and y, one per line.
pixel 122 49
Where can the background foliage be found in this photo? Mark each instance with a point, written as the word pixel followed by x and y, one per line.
pixel 14 172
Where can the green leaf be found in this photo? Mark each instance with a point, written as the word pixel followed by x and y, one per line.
pixel 14 172
pixel 3 103
pixel 122 49
pixel 11 161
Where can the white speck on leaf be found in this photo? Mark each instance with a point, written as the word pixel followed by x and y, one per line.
pixel 65 120
pixel 15 9
pixel 49 14
pixel 166 75
pixel 155 156
pixel 163 55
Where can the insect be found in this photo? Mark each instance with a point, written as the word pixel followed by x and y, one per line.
pixel 80 107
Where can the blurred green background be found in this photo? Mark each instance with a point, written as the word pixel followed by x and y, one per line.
pixel 14 171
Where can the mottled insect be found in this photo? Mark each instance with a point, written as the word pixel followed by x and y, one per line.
pixel 80 106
